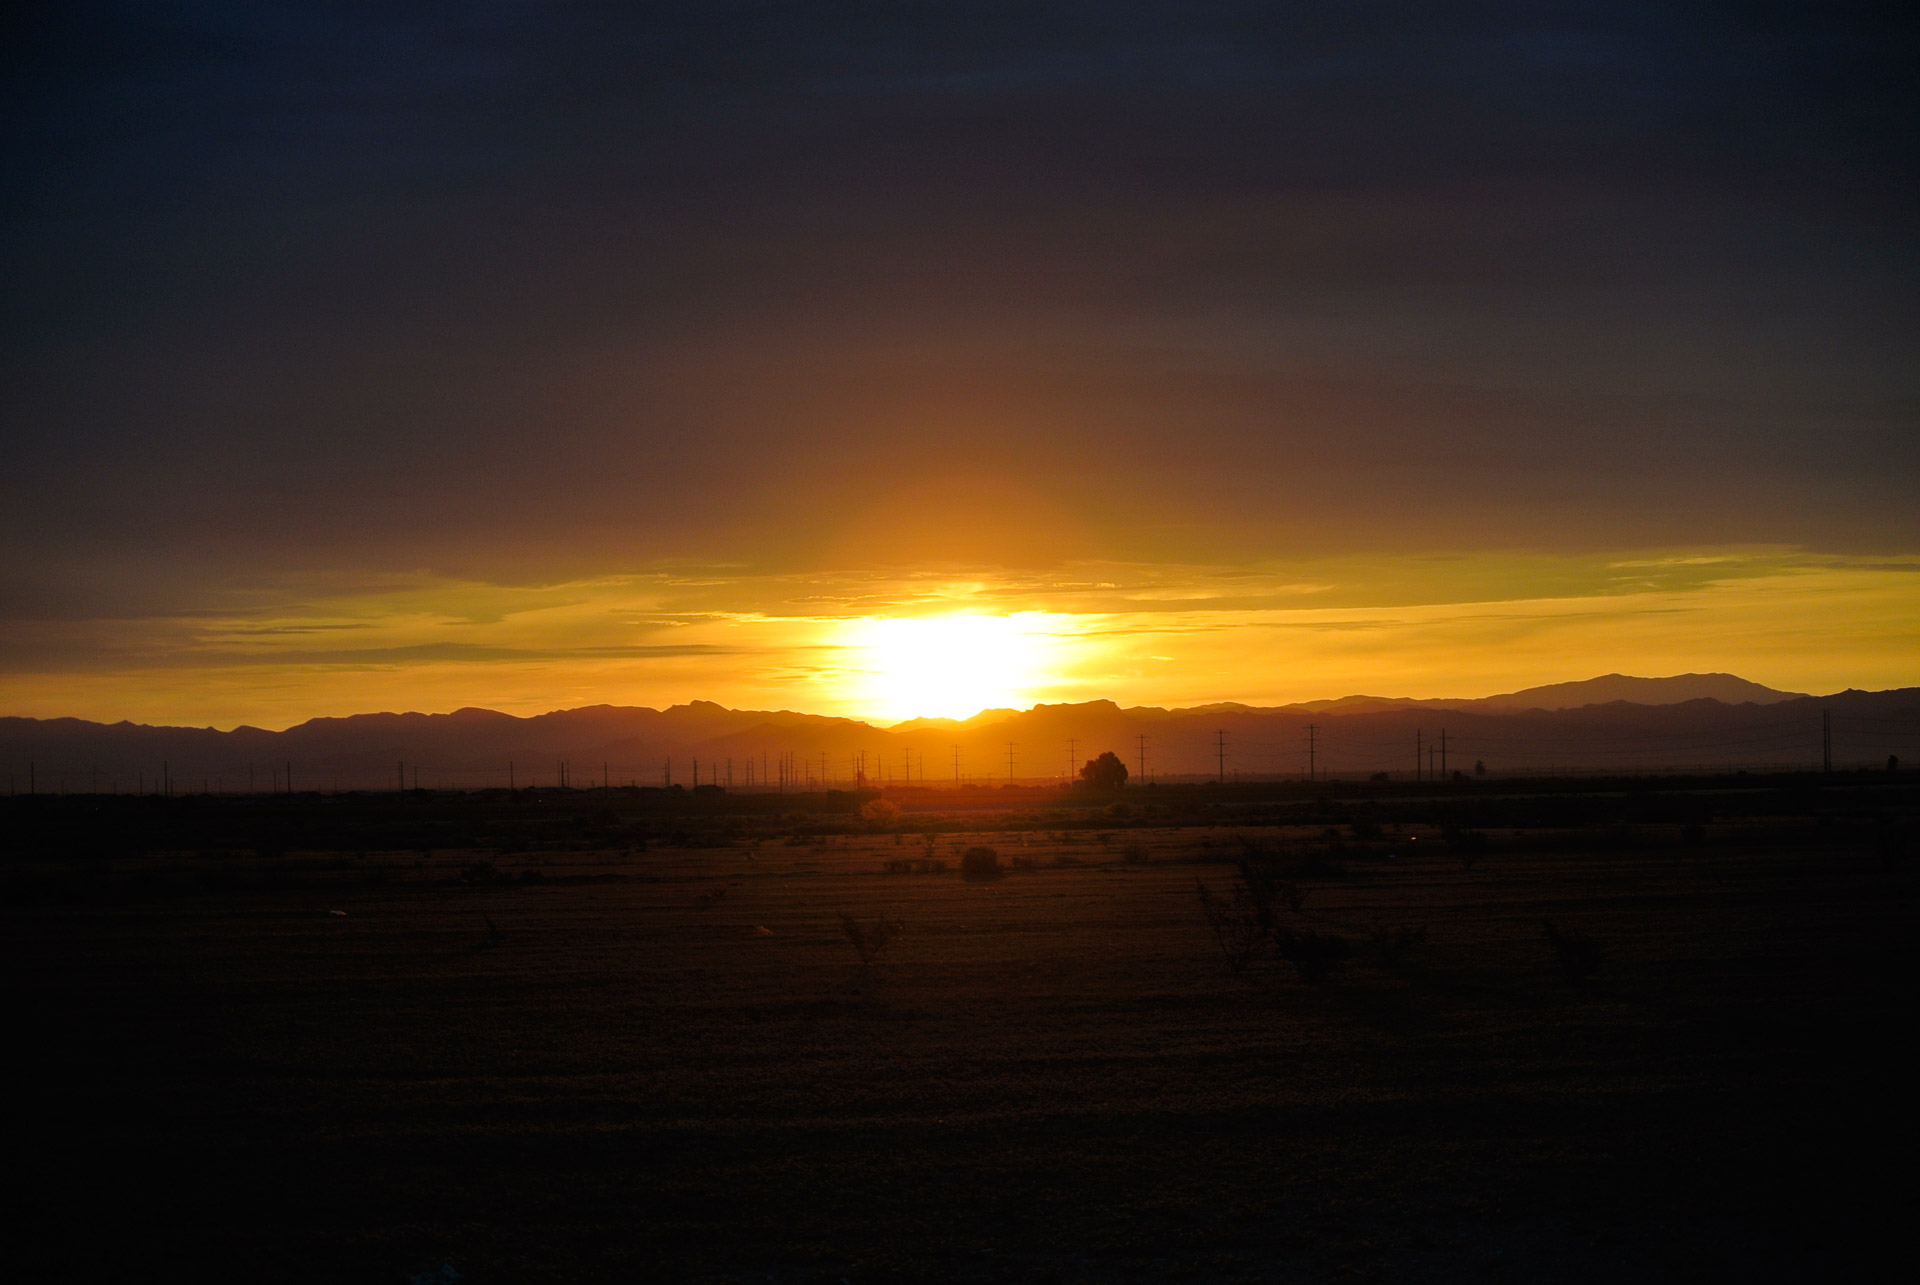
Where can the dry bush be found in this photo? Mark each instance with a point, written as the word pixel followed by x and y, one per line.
pixel 1235 921
pixel 1575 954
pixel 1313 954
pixel 1468 845
pixel 870 940
pixel 1391 946
pixel 881 814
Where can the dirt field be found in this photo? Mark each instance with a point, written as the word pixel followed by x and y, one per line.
pixel 670 1064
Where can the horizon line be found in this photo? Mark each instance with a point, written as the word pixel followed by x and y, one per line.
pixel 1009 711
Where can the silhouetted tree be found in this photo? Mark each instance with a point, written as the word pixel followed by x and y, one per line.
pixel 1106 772
pixel 980 865
pixel 881 814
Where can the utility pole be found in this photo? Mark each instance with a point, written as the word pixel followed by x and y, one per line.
pixel 1826 740
pixel 1418 752
pixel 1220 747
pixel 1313 744
pixel 1443 753
pixel 400 775
pixel 1010 745
pixel 1073 758
pixel 1141 737
pixel 956 767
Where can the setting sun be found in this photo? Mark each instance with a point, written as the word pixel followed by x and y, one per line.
pixel 950 666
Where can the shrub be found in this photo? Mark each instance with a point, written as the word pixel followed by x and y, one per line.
pixel 1391 946
pixel 872 939
pixel 1235 922
pixel 980 865
pixel 1313 954
pixel 881 814
pixel 1468 845
pixel 1575 954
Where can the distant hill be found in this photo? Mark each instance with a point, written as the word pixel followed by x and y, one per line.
pixel 1612 722
pixel 1728 689
pixel 1725 688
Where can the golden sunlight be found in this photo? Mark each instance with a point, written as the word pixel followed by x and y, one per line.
pixel 949 666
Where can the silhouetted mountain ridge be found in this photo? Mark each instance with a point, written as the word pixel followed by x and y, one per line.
pixel 1673 725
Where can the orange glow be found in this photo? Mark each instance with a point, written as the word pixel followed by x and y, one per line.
pixel 889 646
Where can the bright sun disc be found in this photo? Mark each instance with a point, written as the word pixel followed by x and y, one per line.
pixel 948 666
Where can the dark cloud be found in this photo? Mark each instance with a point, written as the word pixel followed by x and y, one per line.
pixel 464 285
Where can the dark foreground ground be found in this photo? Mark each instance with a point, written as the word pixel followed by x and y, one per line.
pixel 558 1061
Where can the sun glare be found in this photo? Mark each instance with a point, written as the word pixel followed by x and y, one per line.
pixel 949 666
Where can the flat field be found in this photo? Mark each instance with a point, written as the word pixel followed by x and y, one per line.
pixel 570 1062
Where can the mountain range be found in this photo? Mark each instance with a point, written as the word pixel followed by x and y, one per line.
pixel 1615 721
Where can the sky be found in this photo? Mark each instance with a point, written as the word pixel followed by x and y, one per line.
pixel 523 355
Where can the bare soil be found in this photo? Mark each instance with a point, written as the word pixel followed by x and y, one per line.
pixel 670 1064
